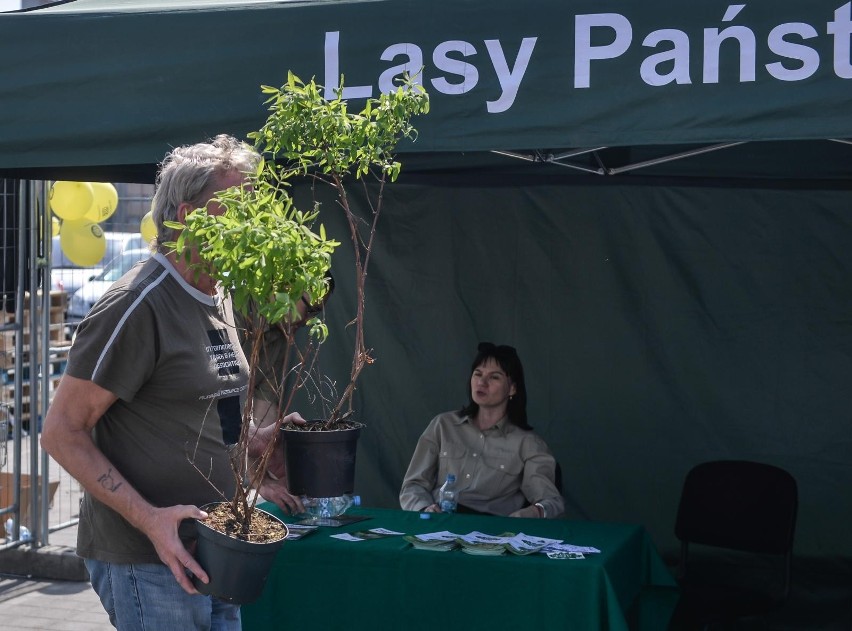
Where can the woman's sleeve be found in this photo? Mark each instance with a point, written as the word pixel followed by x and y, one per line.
pixel 539 482
pixel 421 478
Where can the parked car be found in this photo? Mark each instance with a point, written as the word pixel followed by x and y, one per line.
pixel 87 295
pixel 65 275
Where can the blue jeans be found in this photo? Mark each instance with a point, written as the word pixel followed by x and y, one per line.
pixel 146 597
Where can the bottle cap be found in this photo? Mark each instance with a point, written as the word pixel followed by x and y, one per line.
pixel 425 516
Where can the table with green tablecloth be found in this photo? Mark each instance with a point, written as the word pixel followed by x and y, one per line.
pixel 319 582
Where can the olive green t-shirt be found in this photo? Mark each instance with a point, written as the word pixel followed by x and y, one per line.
pixel 171 355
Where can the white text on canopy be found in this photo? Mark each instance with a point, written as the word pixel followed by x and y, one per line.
pixel 786 52
pixel 458 76
pixel 791 60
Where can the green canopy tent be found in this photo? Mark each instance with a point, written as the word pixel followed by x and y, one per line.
pixel 116 82
pixel 651 202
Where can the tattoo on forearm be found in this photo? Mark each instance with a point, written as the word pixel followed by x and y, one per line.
pixel 107 482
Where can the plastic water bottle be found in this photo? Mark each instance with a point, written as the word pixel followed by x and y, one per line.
pixel 24 533
pixel 448 498
pixel 329 506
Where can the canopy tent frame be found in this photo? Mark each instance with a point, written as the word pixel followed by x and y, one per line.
pixel 546 157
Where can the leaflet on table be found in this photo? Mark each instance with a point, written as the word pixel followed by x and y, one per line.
pixel 481 537
pixel 363 535
pixel 518 541
pixel 444 535
pixel 565 555
pixel 526 544
pixel 297 531
pixel 567 547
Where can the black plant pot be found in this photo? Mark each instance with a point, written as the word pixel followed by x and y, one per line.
pixel 237 569
pixel 320 464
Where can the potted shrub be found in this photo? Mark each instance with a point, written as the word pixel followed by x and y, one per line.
pixel 264 250
pixel 308 135
pixel 274 260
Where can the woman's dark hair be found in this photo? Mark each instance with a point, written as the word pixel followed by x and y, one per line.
pixel 508 360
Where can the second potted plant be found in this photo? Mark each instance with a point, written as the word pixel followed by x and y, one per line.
pixel 310 136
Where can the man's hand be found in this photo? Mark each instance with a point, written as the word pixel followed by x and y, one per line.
pixel 275 490
pixel 161 527
pixel 260 438
pixel 294 417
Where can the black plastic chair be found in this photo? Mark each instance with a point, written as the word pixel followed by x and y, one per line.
pixel 741 506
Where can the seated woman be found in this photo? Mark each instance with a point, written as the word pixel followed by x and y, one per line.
pixel 501 466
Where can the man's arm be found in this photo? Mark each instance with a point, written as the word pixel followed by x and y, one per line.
pixel 67 436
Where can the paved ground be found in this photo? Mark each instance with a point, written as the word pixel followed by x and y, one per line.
pixel 50 605
pixel 32 592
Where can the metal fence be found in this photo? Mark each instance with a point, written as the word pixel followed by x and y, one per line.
pixel 37 496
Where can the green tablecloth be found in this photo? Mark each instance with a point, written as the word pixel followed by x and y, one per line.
pixel 323 583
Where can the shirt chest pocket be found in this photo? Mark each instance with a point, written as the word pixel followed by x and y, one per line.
pixel 452 452
pixel 503 462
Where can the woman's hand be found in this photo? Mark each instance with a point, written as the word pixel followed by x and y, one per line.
pixel 531 511
pixel 432 508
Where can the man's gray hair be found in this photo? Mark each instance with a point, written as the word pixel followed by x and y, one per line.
pixel 187 172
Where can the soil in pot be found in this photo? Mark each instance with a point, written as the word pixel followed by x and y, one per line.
pixel 264 527
pixel 236 565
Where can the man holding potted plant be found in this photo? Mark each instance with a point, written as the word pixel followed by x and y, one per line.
pixel 150 401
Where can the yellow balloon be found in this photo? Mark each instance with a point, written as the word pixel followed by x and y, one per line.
pixel 54 226
pixel 71 200
pixel 104 203
pixel 83 242
pixel 147 228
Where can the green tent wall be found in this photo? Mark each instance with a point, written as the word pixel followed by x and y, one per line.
pixel 688 310
pixel 660 326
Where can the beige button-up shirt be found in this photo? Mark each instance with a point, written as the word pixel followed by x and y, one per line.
pixel 498 470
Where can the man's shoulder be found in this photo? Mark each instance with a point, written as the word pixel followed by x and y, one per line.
pixel 126 300
pixel 137 279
